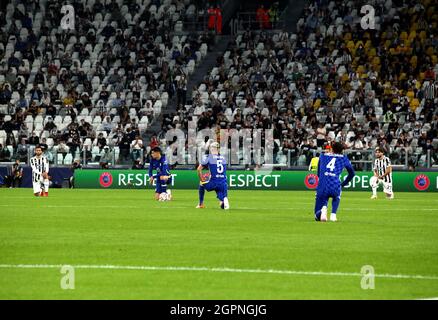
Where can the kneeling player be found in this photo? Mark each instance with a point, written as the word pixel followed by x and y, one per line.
pixel 163 176
pixel 40 173
pixel 330 167
pixel 216 164
pixel 382 175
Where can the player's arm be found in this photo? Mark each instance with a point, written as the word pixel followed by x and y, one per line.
pixel 151 175
pixel 165 168
pixel 319 164
pixel 351 172
pixel 376 174
pixel 199 169
pixel 46 166
pixel 202 165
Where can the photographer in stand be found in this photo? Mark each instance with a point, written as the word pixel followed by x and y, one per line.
pixel 75 165
pixel 16 174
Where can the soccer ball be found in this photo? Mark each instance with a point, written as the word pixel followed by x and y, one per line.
pixel 163 197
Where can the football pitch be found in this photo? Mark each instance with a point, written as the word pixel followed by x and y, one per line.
pixel 124 245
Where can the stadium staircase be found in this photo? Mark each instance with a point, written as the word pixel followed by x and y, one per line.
pixel 208 63
pixel 292 14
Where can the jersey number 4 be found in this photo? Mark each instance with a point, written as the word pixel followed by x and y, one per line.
pixel 331 164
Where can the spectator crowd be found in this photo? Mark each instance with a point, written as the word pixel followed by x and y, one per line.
pixel 94 92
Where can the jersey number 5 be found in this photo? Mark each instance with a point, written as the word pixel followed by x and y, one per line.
pixel 331 164
pixel 220 166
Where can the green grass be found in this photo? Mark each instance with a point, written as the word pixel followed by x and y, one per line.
pixel 263 230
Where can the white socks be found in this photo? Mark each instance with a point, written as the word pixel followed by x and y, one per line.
pixel 226 204
pixel 46 185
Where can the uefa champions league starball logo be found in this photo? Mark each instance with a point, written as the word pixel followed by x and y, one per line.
pixel 106 179
pixel 311 181
pixel 421 182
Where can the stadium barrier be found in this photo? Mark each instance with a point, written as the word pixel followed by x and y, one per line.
pixel 250 180
pixel 59 176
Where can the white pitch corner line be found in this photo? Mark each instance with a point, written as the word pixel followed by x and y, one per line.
pixel 217 269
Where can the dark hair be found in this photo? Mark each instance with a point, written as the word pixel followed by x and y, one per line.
pixel 38 146
pixel 379 149
pixel 337 147
pixel 156 149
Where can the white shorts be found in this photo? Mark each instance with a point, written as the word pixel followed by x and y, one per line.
pixel 37 187
pixel 387 187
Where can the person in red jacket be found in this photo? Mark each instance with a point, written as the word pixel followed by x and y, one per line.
pixel 266 22
pixel 211 18
pixel 218 20
pixel 262 17
pixel 259 15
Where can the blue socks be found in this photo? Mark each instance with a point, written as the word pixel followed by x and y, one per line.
pixel 201 194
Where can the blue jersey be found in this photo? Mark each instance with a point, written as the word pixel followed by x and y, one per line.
pixel 217 166
pixel 160 165
pixel 330 167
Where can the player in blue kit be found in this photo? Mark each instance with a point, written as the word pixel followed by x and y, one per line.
pixel 217 166
pixel 330 167
pixel 162 177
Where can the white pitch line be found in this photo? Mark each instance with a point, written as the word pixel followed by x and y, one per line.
pixel 72 206
pixel 345 208
pixel 217 269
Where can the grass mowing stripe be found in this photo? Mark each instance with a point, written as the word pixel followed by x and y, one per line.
pixel 188 207
pixel 217 269
pixel 267 246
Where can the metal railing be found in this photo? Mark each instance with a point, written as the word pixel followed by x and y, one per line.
pixel 248 21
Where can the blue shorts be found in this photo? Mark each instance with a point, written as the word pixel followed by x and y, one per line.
pixel 161 185
pixel 325 194
pixel 322 199
pixel 221 188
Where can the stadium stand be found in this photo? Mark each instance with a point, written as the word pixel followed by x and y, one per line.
pixel 98 86
pixel 331 80
pixel 104 85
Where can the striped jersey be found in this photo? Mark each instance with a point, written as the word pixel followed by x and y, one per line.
pixel 38 165
pixel 380 166
pixel 430 91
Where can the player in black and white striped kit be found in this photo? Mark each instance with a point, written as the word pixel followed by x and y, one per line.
pixel 40 173
pixel 382 175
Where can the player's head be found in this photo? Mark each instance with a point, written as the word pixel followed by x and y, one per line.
pixel 379 152
pixel 214 148
pixel 337 148
pixel 38 150
pixel 156 153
